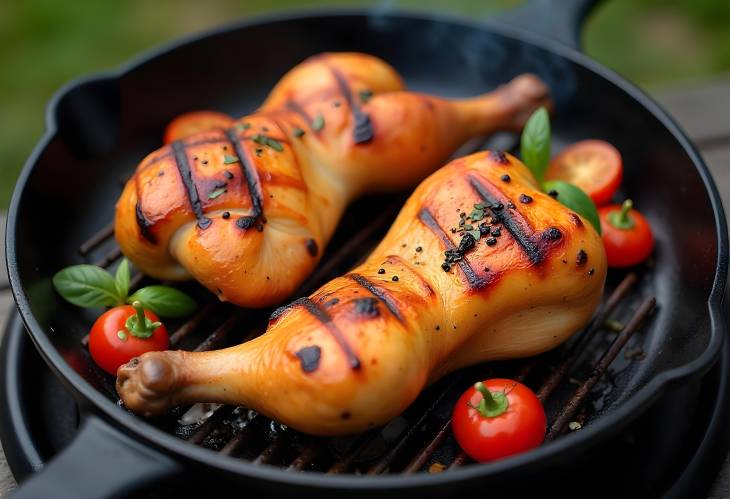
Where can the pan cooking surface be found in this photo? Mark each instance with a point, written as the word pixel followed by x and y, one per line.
pixel 106 126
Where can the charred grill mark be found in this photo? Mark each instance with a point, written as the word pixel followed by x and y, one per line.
pixel 326 319
pixel 295 107
pixel 312 247
pixel 144 225
pixel 498 157
pixel 309 358
pixel 514 227
pixel 183 166
pixel 367 307
pixel 378 293
pixel 363 131
pixel 576 220
pixel 168 154
pixel 474 280
pixel 249 173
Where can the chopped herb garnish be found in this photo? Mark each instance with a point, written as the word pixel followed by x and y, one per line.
pixel 216 193
pixel 297 132
pixel 268 141
pixel 228 159
pixel 243 126
pixel 476 215
pixel 318 123
pixel 365 95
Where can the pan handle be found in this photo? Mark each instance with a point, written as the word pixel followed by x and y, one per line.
pixel 100 463
pixel 560 20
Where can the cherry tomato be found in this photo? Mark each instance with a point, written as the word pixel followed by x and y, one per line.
pixel 191 123
pixel 627 235
pixel 498 418
pixel 593 165
pixel 114 340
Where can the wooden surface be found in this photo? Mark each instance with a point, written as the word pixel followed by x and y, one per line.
pixel 702 109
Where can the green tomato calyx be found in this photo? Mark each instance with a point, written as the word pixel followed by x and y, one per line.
pixel 493 404
pixel 138 324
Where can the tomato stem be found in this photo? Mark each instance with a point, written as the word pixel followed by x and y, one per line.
pixel 138 324
pixel 621 219
pixel 493 404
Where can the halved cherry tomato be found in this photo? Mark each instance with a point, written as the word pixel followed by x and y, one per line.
pixel 191 123
pixel 627 235
pixel 593 165
pixel 498 418
pixel 119 335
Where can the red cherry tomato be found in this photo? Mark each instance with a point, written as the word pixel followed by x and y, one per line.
pixel 514 422
pixel 191 123
pixel 112 344
pixel 626 235
pixel 593 165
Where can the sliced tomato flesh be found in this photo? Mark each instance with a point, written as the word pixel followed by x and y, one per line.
pixel 593 165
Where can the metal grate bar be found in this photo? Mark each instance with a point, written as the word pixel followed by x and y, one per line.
pixel 420 459
pixel 621 291
pixel 96 239
pixel 582 392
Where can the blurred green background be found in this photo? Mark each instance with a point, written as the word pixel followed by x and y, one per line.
pixel 44 43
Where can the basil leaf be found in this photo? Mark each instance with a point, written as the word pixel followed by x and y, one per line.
pixel 164 301
pixel 535 143
pixel 87 286
pixel 121 278
pixel 575 199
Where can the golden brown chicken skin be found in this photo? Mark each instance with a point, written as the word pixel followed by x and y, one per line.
pixel 359 350
pixel 247 211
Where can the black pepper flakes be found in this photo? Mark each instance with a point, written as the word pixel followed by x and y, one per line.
pixel 381 271
pixel 581 258
pixel 553 193
pixel 491 241
pixel 226 215
pixel 395 278
pixel 552 234
pixel 525 199
pixel 505 178
pixel 438 328
pixel 227 174
pixel 446 267
pixel 592 271
pixel 496 232
pixel 418 249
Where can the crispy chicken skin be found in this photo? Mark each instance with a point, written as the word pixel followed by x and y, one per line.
pixel 248 211
pixel 359 350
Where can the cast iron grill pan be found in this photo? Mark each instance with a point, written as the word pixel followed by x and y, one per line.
pixel 99 128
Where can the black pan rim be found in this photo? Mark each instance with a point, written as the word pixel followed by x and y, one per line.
pixel 557 451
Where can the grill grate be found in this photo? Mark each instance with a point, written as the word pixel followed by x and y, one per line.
pixel 420 439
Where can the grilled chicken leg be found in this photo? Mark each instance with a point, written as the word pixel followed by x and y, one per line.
pixel 359 350
pixel 247 211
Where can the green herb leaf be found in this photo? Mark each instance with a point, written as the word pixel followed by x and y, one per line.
pixel 121 278
pixel 164 301
pixel 216 193
pixel 535 143
pixel 274 144
pixel 268 141
pixel 228 159
pixel 298 132
pixel 87 286
pixel 476 234
pixel 575 199
pixel 365 95
pixel 243 126
pixel 318 123
pixel 476 215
